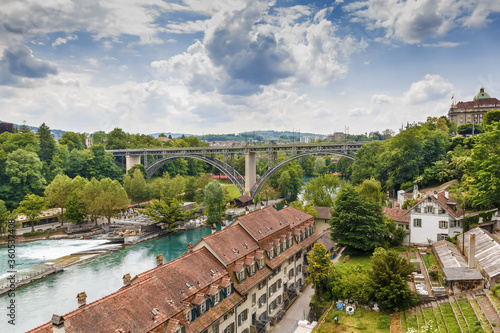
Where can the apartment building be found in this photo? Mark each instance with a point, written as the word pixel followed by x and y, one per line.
pixel 236 280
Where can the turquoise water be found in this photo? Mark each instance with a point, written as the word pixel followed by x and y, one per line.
pixel 56 294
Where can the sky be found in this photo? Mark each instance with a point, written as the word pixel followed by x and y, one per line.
pixel 229 66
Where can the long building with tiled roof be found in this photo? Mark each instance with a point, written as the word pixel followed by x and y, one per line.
pixel 235 280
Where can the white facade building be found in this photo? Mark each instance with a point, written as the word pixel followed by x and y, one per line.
pixel 434 218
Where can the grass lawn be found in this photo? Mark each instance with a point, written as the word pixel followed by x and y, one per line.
pixel 363 260
pixel 449 318
pixel 469 315
pixel 361 321
pixel 232 190
pixel 461 318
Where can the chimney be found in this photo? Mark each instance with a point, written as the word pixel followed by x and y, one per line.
pixel 82 299
pixel 472 251
pixel 415 192
pixel 446 194
pixel 57 324
pixel 190 247
pixel 214 228
pixel 126 280
pixel 159 260
pixel 435 194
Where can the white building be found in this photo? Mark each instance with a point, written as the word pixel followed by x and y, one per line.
pixel 434 218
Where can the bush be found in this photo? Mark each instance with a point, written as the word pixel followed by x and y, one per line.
pixel 384 322
pixel 434 275
pixel 496 291
pixel 33 233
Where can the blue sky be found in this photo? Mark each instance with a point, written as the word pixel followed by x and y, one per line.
pixel 225 66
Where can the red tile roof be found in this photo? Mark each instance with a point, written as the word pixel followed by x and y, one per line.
pixel 229 244
pixel 396 214
pixel 324 213
pixel 447 204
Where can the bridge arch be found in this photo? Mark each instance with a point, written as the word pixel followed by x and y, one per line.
pixel 272 170
pixel 231 173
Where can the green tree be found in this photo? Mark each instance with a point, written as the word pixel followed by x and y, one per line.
pixel 319 264
pixel 214 200
pixel 166 210
pixel 112 197
pixel 47 144
pixel 348 282
pixel 4 217
pixel 365 163
pixel 88 195
pixel 356 223
pixel 72 140
pixel 388 281
pixel 116 139
pixel 490 117
pixel 25 171
pixel 321 191
pixel 466 129
pixel 371 190
pixel 58 192
pixel 31 207
pixel 284 184
pixel 75 209
pixel 138 188
pixel 483 177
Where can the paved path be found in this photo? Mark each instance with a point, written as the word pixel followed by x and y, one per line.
pixel 299 310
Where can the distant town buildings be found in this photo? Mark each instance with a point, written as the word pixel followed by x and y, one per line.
pixel 336 136
pixel 473 111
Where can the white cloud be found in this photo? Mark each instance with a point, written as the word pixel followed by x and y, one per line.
pixel 360 112
pixel 381 99
pixel 61 40
pixel 431 88
pixel 415 21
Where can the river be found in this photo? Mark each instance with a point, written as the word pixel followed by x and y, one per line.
pixel 98 277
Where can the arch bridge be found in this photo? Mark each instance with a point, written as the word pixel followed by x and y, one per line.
pixel 248 184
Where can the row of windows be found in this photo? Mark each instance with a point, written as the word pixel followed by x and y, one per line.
pixel 417 223
pixel 288 243
pixel 201 309
pixel 274 304
pixel 274 287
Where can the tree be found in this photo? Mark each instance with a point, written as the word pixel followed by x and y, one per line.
pixel 490 117
pixel 348 282
pixel 137 188
pixel 356 223
pixel 388 281
pixel 112 197
pixel 284 184
pixel 4 217
pixel 365 162
pixel 483 177
pixel 88 196
pixel 31 207
pixel 466 129
pixel 166 210
pixel 319 263
pixel 116 139
pixel 321 191
pixel 75 208
pixel 72 140
pixel 371 190
pixel 25 171
pixel 58 192
pixel 47 144
pixel 214 202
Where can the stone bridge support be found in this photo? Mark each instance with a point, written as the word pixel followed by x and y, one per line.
pixel 131 160
pixel 250 172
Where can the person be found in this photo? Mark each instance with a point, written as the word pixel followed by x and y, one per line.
pixel 336 319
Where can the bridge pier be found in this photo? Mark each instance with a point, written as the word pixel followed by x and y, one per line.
pixel 131 160
pixel 250 172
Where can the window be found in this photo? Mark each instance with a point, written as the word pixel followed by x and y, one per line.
pixel 270 253
pixel 215 328
pixel 417 223
pixel 443 224
pixel 245 330
pixel 418 210
pixel 262 284
pixel 261 263
pixel 299 269
pixel 442 236
pixel 242 317
pixel 252 269
pixel 241 275
pixel 254 298
pixel 262 300
pixel 189 316
pixel 216 299
pixel 429 209
pixel 229 329
pixel 290 261
pixel 277 248
pixel 290 273
pixel 229 290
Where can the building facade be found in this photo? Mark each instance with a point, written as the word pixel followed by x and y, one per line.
pixel 434 218
pixel 236 280
pixel 473 111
